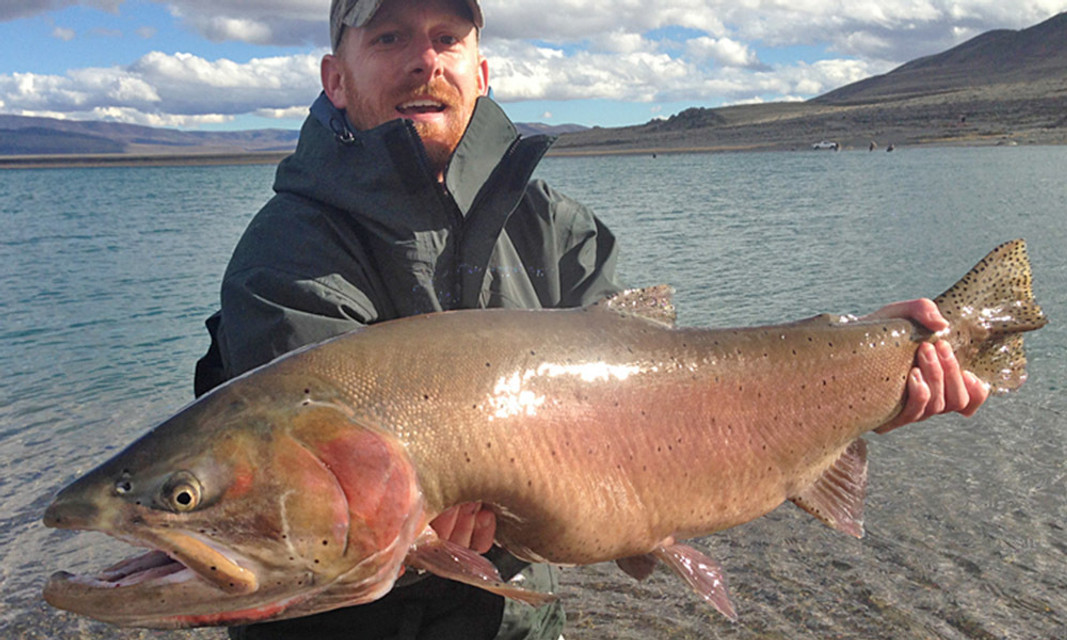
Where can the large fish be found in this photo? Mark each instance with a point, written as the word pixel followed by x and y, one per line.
pixel 596 434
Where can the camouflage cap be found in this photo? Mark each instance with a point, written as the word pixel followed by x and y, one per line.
pixel 356 13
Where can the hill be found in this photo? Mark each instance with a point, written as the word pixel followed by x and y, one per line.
pixel 22 136
pixel 1031 55
pixel 1001 87
pixel 26 135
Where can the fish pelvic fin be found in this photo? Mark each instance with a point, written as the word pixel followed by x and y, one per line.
pixel 651 303
pixel 988 310
pixel 837 497
pixel 638 567
pixel 700 572
pixel 455 562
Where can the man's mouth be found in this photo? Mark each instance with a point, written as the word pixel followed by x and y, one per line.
pixel 420 107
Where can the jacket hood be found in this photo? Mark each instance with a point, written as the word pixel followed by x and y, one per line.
pixel 334 163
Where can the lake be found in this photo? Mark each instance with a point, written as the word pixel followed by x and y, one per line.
pixel 108 274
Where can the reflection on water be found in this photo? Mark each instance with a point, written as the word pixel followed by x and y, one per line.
pixel 966 519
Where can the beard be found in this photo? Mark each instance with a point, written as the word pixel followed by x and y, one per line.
pixel 440 138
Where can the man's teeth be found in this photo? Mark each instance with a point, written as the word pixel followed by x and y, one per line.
pixel 422 105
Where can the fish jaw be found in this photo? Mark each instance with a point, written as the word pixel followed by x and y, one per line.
pixel 233 534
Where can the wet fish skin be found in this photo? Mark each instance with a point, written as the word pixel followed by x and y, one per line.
pixel 596 434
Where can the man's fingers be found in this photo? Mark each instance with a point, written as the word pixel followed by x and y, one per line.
pixel 922 310
pixel 934 376
pixel 956 396
pixel 916 398
pixel 484 531
pixel 977 391
pixel 464 529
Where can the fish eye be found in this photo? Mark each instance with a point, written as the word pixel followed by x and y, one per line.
pixel 181 492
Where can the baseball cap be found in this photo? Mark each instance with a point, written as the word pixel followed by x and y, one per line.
pixel 356 13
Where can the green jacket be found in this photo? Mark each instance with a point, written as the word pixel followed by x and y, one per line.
pixel 360 231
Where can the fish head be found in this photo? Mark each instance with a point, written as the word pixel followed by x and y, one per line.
pixel 268 498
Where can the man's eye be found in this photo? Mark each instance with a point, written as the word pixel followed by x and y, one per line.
pixel 388 38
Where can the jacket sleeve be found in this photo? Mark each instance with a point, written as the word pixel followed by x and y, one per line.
pixel 285 288
pixel 582 247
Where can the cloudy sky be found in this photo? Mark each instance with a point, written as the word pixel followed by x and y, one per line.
pixel 238 64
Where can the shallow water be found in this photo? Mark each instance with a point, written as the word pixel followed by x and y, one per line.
pixel 966 519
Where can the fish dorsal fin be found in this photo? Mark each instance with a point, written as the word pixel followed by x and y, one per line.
pixel 837 496
pixel 701 573
pixel 988 309
pixel 651 303
pixel 455 562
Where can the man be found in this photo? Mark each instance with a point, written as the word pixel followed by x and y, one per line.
pixel 410 192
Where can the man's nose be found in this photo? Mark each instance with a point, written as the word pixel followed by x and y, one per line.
pixel 425 59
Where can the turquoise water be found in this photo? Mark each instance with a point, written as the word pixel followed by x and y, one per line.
pixel 107 275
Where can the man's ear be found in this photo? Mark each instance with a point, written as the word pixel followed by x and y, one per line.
pixel 333 80
pixel 483 75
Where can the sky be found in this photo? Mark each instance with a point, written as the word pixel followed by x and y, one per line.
pixel 244 64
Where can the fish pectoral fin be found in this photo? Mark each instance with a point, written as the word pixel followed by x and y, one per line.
pixel 455 562
pixel 638 567
pixel 701 573
pixel 837 496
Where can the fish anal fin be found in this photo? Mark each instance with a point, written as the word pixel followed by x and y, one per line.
pixel 651 303
pixel 837 497
pixel 701 573
pixel 638 567
pixel 454 562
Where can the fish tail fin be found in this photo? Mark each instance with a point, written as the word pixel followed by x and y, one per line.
pixel 988 310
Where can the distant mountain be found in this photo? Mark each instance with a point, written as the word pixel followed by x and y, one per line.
pixel 43 136
pixel 536 128
pixel 995 57
pixel 21 135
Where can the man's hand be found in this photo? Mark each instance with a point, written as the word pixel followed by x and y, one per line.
pixel 936 384
pixel 469 525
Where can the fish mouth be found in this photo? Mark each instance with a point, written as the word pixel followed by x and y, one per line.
pixel 174 558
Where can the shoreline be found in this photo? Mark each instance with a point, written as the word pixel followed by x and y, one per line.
pixel 91 161
pixel 206 159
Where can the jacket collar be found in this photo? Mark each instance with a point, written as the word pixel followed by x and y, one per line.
pixel 488 140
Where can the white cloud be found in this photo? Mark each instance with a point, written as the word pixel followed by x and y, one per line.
pixel 15 9
pixel 64 34
pixel 288 113
pixel 727 52
pixel 171 88
pixel 700 51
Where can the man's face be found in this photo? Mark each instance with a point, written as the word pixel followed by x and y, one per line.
pixel 416 59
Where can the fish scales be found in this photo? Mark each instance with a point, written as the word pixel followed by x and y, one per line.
pixel 615 419
pixel 603 433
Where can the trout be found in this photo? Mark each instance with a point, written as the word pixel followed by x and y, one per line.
pixel 594 434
